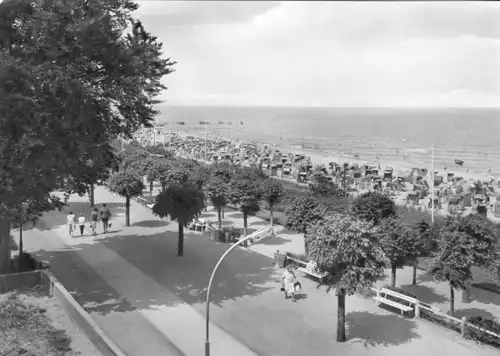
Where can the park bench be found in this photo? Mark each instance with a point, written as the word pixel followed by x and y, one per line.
pixel 382 295
pixel 311 269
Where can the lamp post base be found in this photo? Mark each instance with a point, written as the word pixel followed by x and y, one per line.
pixel 207 348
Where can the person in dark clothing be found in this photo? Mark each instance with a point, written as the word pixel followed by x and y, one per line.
pixel 105 216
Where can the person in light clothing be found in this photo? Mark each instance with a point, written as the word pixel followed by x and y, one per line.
pixel 94 216
pixel 70 220
pixel 81 223
pixel 290 284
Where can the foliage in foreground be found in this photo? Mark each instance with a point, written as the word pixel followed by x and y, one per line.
pixel 62 99
pixel 26 330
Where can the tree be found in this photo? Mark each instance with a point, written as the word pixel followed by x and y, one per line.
pixel 319 184
pixel 272 193
pixel 71 80
pixel 373 207
pixel 245 191
pixel 398 241
pixel 200 177
pixel 183 203
pixel 348 250
pixel 127 184
pixel 160 171
pixel 219 194
pixel 464 242
pixel 303 211
pixel 179 174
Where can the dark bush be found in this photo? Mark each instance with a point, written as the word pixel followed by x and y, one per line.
pixel 481 336
pixel 24 262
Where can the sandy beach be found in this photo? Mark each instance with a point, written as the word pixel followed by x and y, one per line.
pixel 190 145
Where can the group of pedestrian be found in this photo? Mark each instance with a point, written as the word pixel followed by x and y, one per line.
pixel 104 215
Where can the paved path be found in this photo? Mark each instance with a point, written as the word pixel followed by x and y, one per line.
pixel 149 300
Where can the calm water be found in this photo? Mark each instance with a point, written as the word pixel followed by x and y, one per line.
pixel 472 135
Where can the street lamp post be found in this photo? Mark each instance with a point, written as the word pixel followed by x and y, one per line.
pixel 207 315
pixel 432 186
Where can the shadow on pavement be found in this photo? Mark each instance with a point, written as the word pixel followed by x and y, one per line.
pixel 259 223
pixel 469 312
pixel 486 295
pixel 151 223
pixel 425 293
pixel 376 329
pixel 85 285
pixel 243 273
pixel 273 241
pixel 425 277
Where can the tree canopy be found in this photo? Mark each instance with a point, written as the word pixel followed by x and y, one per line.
pixel 182 203
pixel 464 242
pixel 303 211
pixel 127 184
pixel 399 242
pixel 373 207
pixel 348 250
pixel 72 78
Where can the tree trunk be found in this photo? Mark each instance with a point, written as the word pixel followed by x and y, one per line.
pixel 415 263
pixel 452 302
pixel 271 217
pixel 151 188
pixel 163 186
pixel 393 274
pixel 21 244
pixel 127 211
pixel 341 315
pixel 92 198
pixel 4 245
pixel 219 217
pixel 180 243
pixel 245 223
pixel 466 297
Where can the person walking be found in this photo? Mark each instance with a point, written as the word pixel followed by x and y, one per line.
pixel 105 216
pixel 81 223
pixel 70 220
pixel 94 217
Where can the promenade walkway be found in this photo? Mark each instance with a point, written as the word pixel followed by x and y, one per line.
pixel 151 302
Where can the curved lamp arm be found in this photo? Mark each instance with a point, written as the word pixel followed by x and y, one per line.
pixel 207 315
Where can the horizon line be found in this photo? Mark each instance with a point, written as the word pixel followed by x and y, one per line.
pixel 330 106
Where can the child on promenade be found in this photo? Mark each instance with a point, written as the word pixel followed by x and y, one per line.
pixel 70 220
pixel 81 223
pixel 94 217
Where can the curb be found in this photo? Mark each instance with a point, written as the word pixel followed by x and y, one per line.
pixel 80 317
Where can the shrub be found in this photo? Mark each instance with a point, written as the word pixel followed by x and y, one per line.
pixel 24 262
pixel 481 336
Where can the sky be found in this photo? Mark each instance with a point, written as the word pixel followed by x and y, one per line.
pixel 347 54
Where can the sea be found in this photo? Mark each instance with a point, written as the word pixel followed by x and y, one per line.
pixel 471 135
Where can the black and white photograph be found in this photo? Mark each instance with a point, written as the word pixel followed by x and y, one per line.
pixel 249 178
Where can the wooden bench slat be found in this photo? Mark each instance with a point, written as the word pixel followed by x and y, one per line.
pixel 399 295
pixel 393 303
